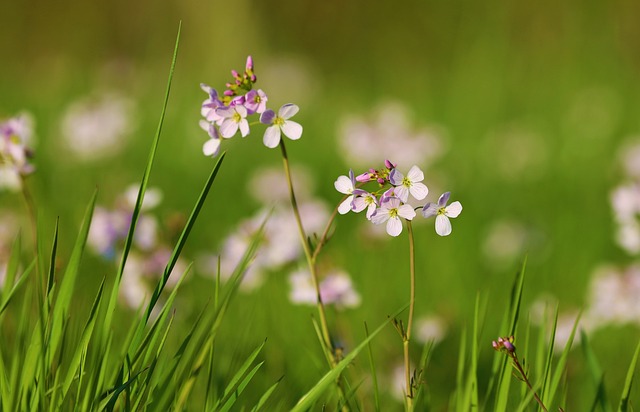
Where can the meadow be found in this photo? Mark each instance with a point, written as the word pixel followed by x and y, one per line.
pixel 527 114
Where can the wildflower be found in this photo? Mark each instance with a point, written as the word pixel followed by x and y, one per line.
pixel 442 213
pixel 504 344
pixel 430 329
pixel 255 101
pixel 210 105
pixel 346 185
pixel 234 118
pixel 212 146
pixel 391 211
pixel 280 123
pixel 409 184
pixel 364 200
pixel 14 152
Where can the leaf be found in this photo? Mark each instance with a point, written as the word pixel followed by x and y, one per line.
pixel 626 391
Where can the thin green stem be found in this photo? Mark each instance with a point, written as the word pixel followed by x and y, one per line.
pixel 309 255
pixel 407 333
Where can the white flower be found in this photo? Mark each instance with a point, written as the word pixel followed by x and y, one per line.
pixel 391 211
pixel 234 118
pixel 346 185
pixel 335 289
pixel 409 184
pixel 364 200
pixel 212 146
pixel 442 212
pixel 280 123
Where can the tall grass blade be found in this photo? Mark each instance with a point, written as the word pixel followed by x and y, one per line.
pixel 623 406
pixel 141 192
pixel 562 362
pixel 596 375
pixel 309 399
pixel 374 375
pixel 265 397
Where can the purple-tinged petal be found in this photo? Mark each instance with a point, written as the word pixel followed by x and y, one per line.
pixel 389 164
pixel 443 226
pixel 430 209
pixel 402 192
pixel 249 65
pixel 204 125
pixel 288 110
pixel 364 177
pixel 345 206
pixel 444 199
pixel 211 147
pixel 454 209
pixel 358 204
pixel 360 192
pixel 391 202
pixel 395 177
pixel 371 210
pixel 415 174
pixel 244 127
pixel 343 185
pixel 228 128
pixel 241 110
pixel 292 130
pixel 407 212
pixel 380 216
pixel 225 111
pixel 394 226
pixel 271 137
pixel 419 191
pixel 267 117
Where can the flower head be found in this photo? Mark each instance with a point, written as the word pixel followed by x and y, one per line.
pixel 212 146
pixel 391 211
pixel 280 123
pixel 234 118
pixel 442 212
pixel 255 101
pixel 364 200
pixel 504 344
pixel 409 184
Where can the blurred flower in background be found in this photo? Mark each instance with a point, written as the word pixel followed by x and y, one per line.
pixel 16 141
pixel 149 255
pixel 95 128
pixel 505 242
pixel 336 288
pixel 430 328
pixel 388 134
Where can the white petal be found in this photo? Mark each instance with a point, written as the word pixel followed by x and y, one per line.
pixel 454 209
pixel 288 110
pixel 430 209
pixel 407 212
pixel 343 185
pixel 415 174
pixel 241 110
pixel 394 226
pixel 419 191
pixel 292 130
pixel 358 204
pixel 345 206
pixel 211 147
pixel 228 128
pixel 244 127
pixel 381 216
pixel 204 125
pixel 402 192
pixel 443 226
pixel 271 137
pixel 370 210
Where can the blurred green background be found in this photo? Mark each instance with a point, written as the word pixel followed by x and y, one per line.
pixel 534 100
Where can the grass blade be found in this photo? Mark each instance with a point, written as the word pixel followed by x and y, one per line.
pixel 623 406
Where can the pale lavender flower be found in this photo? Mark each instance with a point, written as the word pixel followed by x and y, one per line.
pixel 270 184
pixel 280 123
pixel 345 185
pixel 364 200
pixel 442 212
pixel 409 184
pixel 95 128
pixel 335 289
pixel 234 118
pixel 15 153
pixel 255 101
pixel 209 106
pixel 391 211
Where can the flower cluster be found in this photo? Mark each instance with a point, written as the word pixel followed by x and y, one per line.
pixel 226 114
pixel 15 153
pixel 504 345
pixel 389 203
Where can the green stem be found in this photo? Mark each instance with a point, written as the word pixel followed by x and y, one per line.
pixel 310 257
pixel 407 334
